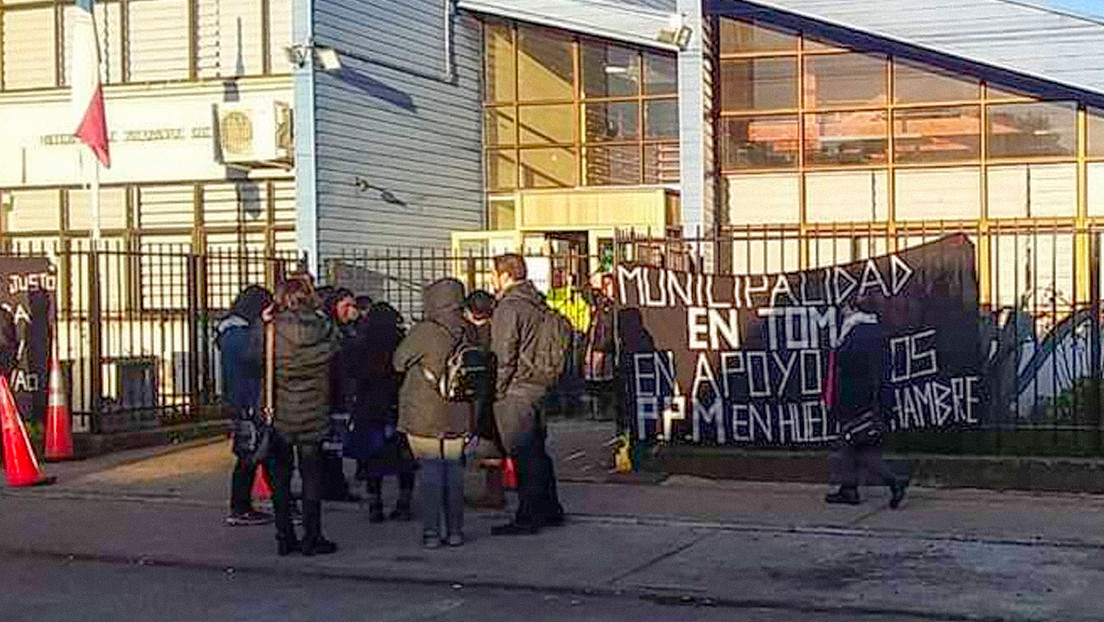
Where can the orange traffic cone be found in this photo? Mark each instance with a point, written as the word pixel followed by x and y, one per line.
pixel 20 465
pixel 261 490
pixel 59 422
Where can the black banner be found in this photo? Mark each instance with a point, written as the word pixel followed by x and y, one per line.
pixel 742 359
pixel 29 292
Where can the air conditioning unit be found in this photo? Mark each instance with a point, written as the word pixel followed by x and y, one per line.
pixel 255 136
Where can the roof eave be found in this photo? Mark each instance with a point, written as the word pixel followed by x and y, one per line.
pixel 520 14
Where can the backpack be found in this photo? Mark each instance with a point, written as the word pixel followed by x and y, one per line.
pixel 465 366
pixel 552 343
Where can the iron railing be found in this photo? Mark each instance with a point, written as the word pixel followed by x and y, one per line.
pixel 135 327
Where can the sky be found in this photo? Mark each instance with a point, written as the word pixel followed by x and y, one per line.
pixel 1086 7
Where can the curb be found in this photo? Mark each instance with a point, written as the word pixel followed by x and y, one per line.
pixel 662 597
pixel 618 520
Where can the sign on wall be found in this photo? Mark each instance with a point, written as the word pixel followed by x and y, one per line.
pixel 159 135
pixel 743 359
pixel 29 293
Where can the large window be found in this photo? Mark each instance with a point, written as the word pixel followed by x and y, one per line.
pixel 562 111
pixel 873 137
pixel 146 41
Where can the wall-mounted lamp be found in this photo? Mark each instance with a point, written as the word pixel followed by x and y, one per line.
pixel 676 33
pixel 327 59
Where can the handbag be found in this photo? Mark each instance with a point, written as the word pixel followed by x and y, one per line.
pixel 251 436
pixel 864 430
pixel 867 428
pixel 263 421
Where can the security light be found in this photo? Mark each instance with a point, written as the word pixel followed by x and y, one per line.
pixel 328 59
pixel 676 33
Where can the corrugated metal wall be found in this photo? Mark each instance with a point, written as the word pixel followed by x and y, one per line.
pixel 399 159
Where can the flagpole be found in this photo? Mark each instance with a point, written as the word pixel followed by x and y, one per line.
pixel 95 201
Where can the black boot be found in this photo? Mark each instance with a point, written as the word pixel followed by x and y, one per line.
pixel 402 511
pixel 375 499
pixel 287 546
pixel 375 511
pixel 847 495
pixel 318 546
pixel 406 493
pixel 897 494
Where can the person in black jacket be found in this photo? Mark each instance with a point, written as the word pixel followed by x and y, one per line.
pixel 376 443
pixel 240 342
pixel 478 311
pixel 519 393
pixel 859 368
pixel 306 343
pixel 340 305
pixel 601 351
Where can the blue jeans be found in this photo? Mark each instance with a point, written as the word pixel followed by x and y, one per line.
pixel 442 496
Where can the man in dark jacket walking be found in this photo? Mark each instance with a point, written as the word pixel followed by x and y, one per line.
pixel 859 364
pixel 240 342
pixel 305 343
pixel 519 393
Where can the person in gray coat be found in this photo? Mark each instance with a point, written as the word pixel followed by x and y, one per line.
pixel 306 342
pixel 436 429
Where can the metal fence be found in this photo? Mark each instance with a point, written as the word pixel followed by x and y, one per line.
pixel 136 324
pixel 136 327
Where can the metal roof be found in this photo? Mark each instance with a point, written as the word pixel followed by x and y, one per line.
pixel 630 21
pixel 1010 35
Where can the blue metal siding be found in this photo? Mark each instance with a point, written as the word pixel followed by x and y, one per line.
pixel 399 148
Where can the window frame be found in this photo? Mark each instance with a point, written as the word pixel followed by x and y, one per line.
pixel 581 146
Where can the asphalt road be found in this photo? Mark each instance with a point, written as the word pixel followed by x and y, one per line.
pixel 48 590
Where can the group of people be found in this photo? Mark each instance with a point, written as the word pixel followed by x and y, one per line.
pixel 309 366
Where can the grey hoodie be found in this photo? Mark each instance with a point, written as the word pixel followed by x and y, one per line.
pixel 422 410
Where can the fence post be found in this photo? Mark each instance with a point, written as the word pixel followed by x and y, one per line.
pixel 95 346
pixel 204 379
pixel 1094 340
pixel 470 269
pixel 193 326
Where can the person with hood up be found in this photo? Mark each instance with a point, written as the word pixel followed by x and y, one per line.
pixel 436 428
pixel 240 342
pixel 305 342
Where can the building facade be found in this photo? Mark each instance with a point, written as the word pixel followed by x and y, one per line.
pixel 493 124
pixel 174 72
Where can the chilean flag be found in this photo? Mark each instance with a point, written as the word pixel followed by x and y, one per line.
pixel 88 102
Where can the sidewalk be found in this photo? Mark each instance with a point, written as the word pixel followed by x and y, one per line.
pixel 949 554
